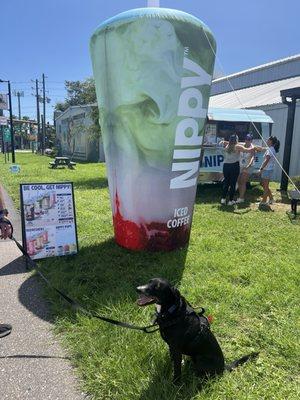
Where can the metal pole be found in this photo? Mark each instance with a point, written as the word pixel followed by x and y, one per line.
pixel 44 115
pixel 2 140
pixel 2 134
pixel 43 123
pixel 19 109
pixel 288 142
pixel 30 143
pixel 11 125
pixel 19 104
pixel 37 110
pixel 153 3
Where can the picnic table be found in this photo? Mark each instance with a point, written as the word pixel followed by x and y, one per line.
pixel 62 161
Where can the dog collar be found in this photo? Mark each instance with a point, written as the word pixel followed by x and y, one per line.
pixel 172 309
pixel 169 312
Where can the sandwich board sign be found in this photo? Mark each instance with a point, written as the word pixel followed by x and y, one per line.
pixel 15 169
pixel 6 135
pixel 3 101
pixel 48 219
pixel 3 120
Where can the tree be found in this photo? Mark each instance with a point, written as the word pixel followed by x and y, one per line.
pixel 82 93
pixel 50 135
pixel 61 106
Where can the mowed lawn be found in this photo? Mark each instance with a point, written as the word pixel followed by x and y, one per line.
pixel 241 265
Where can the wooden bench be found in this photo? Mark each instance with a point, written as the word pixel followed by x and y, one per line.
pixel 52 164
pixel 62 161
pixel 71 164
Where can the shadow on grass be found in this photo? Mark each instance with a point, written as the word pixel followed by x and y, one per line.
pixel 265 208
pixel 211 194
pixel 295 219
pixel 94 183
pixel 284 198
pixel 236 209
pixel 101 276
pixel 161 386
pixel 104 277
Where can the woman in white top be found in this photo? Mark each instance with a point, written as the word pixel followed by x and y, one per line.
pixel 267 168
pixel 246 167
pixel 231 167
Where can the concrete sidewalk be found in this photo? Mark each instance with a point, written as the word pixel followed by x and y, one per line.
pixel 32 363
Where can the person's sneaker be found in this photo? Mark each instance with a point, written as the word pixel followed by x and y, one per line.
pixel 231 203
pixel 271 201
pixel 5 329
pixel 240 200
pixel 262 204
pixel 223 201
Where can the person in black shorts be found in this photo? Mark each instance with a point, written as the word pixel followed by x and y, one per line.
pixel 231 167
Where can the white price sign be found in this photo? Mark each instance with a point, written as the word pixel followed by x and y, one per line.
pixel 3 101
pixel 48 219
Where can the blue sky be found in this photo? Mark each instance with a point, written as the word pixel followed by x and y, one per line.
pixel 52 36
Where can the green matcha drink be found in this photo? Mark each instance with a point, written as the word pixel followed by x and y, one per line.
pixel 153 70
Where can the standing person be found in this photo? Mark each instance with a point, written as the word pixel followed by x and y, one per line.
pixel 246 167
pixel 267 168
pixel 231 167
pixel 5 232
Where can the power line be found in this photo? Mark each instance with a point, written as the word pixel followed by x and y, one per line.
pixel 23 82
pixel 246 113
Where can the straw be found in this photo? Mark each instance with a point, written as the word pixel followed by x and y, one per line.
pixel 153 3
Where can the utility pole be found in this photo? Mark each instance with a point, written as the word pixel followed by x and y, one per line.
pixel 43 124
pixel 38 110
pixel 11 122
pixel 288 97
pixel 11 125
pixel 19 94
pixel 2 134
pixel 44 115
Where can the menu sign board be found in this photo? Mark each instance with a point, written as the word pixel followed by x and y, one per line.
pixel 210 136
pixel 48 219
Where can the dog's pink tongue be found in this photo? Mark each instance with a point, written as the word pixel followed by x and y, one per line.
pixel 143 300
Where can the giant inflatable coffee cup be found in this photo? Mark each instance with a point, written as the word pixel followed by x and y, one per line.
pixel 153 69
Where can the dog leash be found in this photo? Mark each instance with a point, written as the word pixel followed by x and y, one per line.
pixel 74 304
pixel 77 306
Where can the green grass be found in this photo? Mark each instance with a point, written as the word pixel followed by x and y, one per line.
pixel 242 266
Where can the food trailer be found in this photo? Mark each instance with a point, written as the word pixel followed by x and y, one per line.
pixel 223 122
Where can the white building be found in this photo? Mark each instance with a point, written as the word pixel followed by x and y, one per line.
pixel 74 135
pixel 259 88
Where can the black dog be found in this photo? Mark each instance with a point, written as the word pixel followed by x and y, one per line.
pixel 185 331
